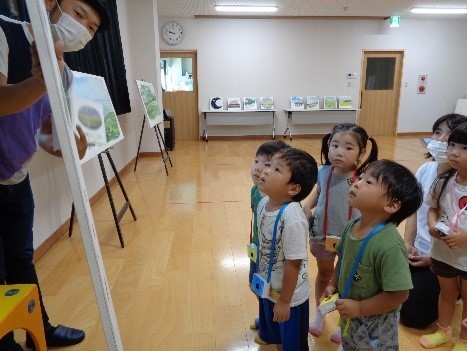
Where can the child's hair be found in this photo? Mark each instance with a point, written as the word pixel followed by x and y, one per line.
pixel 458 136
pixel 360 136
pixel 401 186
pixel 452 121
pixel 270 148
pixel 303 169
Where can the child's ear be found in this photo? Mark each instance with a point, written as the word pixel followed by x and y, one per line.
pixel 294 189
pixel 392 206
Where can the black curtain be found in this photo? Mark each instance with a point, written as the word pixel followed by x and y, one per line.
pixel 103 56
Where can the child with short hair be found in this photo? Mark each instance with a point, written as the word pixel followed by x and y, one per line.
pixel 283 236
pixel 447 224
pixel 343 150
pixel 372 275
pixel 283 254
pixel 262 160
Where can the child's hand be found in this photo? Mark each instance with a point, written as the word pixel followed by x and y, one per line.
pixel 464 323
pixel 281 311
pixel 434 233
pixel 456 239
pixel 329 291
pixel 348 308
pixel 417 260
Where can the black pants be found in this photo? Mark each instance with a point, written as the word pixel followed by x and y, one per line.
pixel 421 308
pixel 16 243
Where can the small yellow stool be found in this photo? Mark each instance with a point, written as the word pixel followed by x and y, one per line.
pixel 20 309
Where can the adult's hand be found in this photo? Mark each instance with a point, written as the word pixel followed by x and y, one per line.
pixel 36 69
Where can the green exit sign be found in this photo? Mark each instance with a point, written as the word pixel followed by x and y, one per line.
pixel 394 21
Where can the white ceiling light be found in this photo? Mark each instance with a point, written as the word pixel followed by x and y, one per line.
pixel 246 8
pixel 433 10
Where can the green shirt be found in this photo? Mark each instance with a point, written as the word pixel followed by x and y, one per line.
pixel 255 199
pixel 382 267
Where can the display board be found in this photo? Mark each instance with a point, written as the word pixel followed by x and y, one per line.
pixel 150 102
pixel 62 120
pixel 91 108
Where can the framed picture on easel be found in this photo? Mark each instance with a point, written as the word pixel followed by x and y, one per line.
pixel 150 102
pixel 91 108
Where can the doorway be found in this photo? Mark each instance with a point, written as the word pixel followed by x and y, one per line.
pixel 380 91
pixel 179 80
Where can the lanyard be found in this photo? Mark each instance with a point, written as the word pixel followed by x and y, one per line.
pixel 374 231
pixel 273 243
pixel 455 218
pixel 328 184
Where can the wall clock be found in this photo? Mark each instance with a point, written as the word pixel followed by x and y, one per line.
pixel 172 33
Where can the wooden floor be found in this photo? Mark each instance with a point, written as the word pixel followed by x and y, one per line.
pixel 181 282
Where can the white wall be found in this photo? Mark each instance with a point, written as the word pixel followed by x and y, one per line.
pixel 283 58
pixel 277 58
pixel 138 23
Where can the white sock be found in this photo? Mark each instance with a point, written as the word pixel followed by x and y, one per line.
pixel 316 324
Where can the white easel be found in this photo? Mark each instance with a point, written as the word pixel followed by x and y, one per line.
pixel 45 48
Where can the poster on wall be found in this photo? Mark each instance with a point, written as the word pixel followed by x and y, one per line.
pixel 266 103
pixel 151 106
pixel 330 102
pixel 345 102
pixel 216 103
pixel 234 104
pixel 249 103
pixel 297 103
pixel 91 108
pixel 312 102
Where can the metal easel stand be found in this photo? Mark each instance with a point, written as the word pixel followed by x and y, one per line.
pixel 117 216
pixel 160 140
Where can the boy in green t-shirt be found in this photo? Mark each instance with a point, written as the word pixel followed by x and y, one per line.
pixel 262 160
pixel 372 252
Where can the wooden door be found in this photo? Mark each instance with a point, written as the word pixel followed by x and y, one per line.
pixel 380 91
pixel 180 91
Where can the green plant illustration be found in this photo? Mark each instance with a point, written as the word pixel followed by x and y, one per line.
pixel 112 130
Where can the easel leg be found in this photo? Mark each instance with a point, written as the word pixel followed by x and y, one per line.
pixel 127 203
pixel 139 144
pixel 164 157
pixel 165 148
pixel 72 219
pixel 112 205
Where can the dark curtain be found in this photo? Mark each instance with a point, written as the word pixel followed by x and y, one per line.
pixel 103 56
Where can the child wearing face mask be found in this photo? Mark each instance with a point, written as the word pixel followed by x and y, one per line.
pixel 421 308
pixel 25 113
pixel 447 224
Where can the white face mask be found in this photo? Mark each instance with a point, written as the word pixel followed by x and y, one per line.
pixel 439 150
pixel 73 34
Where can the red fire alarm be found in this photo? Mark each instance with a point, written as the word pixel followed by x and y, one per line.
pixel 421 88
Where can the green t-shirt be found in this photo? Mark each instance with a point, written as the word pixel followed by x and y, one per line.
pixel 255 199
pixel 382 267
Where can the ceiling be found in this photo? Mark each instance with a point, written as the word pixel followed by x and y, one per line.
pixel 308 8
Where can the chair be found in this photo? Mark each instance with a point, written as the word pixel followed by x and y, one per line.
pixel 169 129
pixel 20 309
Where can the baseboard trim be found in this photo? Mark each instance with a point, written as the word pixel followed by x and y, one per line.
pixel 414 134
pixel 237 137
pixel 42 249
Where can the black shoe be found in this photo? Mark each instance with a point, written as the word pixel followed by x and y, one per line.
pixel 13 347
pixel 59 336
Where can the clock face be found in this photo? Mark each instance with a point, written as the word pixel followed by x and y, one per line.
pixel 172 33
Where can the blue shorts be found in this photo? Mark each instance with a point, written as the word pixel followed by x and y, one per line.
pixel 293 334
